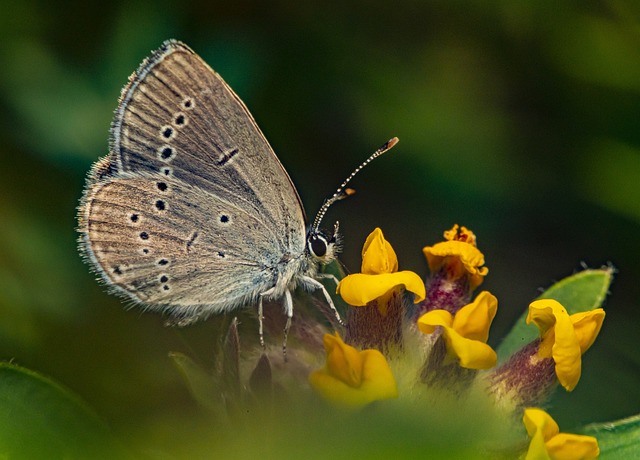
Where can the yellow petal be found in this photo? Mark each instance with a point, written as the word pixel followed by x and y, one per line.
pixel 374 381
pixel 474 320
pixel 377 255
pixel 343 361
pixel 572 447
pixel 587 326
pixel 359 289
pixel 540 427
pixel 451 235
pixel 538 420
pixel 537 449
pixel 543 314
pixel 377 379
pixel 545 350
pixel 460 234
pixel 335 390
pixel 547 314
pixel 470 258
pixel 548 443
pixel 428 322
pixel 471 354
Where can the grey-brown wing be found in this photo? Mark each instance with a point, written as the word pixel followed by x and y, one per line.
pixel 191 210
pixel 153 250
pixel 178 117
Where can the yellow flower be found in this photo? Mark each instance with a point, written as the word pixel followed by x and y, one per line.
pixel 459 256
pixel 353 378
pixel 548 443
pixel 565 338
pixel 466 334
pixel 379 275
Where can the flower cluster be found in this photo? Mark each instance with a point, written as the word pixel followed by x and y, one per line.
pixel 412 342
pixel 454 326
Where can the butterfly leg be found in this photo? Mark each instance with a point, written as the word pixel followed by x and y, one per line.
pixel 288 308
pixel 261 315
pixel 315 284
pixel 328 276
pixel 260 318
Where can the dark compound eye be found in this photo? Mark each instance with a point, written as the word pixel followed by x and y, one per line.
pixel 318 245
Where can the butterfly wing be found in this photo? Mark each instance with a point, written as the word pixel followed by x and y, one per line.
pixel 177 116
pixel 192 210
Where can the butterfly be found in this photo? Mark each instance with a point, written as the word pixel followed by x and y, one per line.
pixel 191 213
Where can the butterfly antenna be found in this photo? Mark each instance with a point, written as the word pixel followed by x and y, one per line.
pixel 343 192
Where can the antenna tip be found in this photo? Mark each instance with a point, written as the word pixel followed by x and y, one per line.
pixel 391 142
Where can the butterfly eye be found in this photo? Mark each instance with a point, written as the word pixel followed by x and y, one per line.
pixel 317 245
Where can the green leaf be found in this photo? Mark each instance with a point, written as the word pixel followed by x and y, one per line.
pixel 583 291
pixel 41 419
pixel 617 440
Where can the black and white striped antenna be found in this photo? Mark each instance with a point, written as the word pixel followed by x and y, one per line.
pixel 343 192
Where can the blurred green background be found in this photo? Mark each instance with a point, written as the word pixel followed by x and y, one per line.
pixel 519 120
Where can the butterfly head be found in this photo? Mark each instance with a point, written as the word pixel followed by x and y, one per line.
pixel 323 246
pixel 320 245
